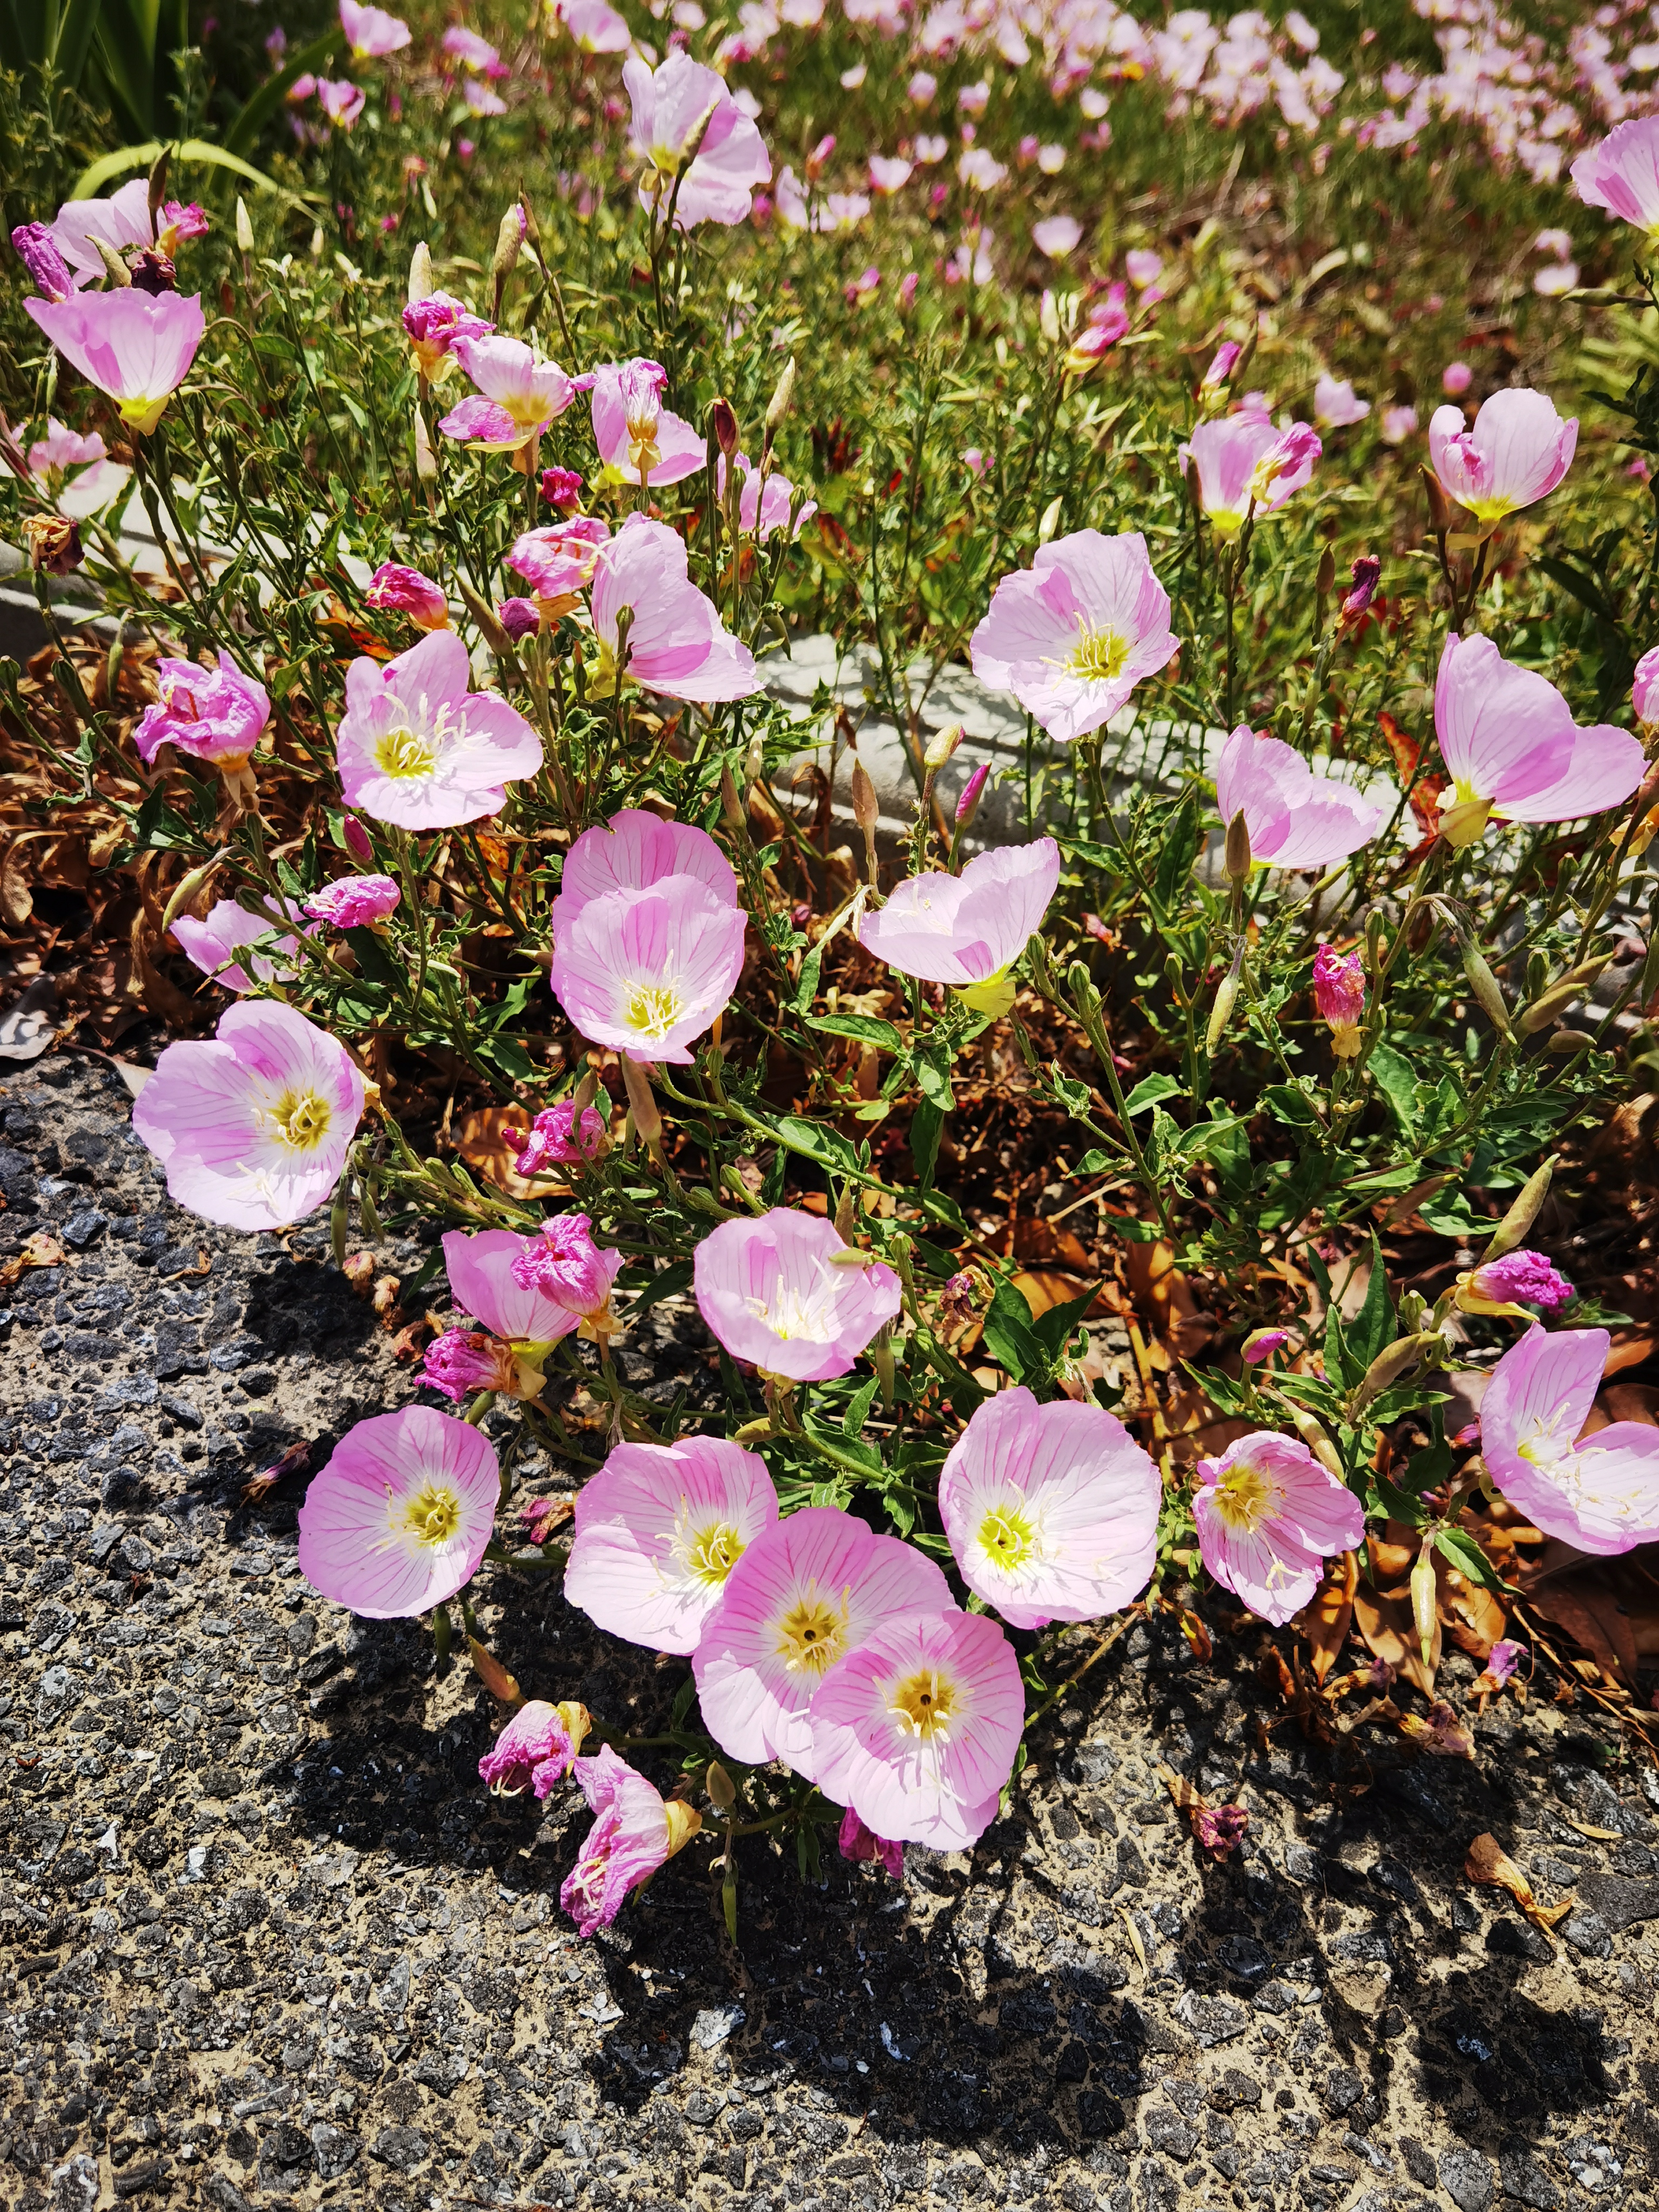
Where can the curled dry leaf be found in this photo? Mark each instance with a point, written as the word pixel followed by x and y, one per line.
pixel 294 1461
pixel 494 1676
pixel 1490 1866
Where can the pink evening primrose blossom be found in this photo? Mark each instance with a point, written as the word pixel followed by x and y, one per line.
pixel 1057 235
pixel 1456 378
pixel 1223 363
pixel 481 99
pixel 633 851
pixel 1143 267
pixel 1268 1514
pixel 218 946
pixel 1296 818
pixel 679 106
pixel 763 511
pixel 51 458
pixel 856 1842
pixel 1643 690
pixel 1339 982
pixel 537 1748
pixel 640 442
pixel 1336 404
pixel 216 715
pixel 1518 452
pixel 418 749
pixel 1514 752
pixel 564 1266
pixel 1071 636
pixel 1512 1284
pixel 783 1292
pixel 460 1362
pixel 916 1728
pixel 354 901
pixel 634 1833
pixel 1601 1493
pixel 558 560
pixel 1397 424
pixel 967 931
pixel 123 221
pixel 393 589
pixel 828 211
pixel 518 394
pixel 1051 1511
pixel 807 1591
pixel 371 32
pixel 558 1137
pixel 136 346
pixel 1261 1343
pixel 485 1280
pixel 596 27
pixel 676 643
pixel 433 326
pixel 889 173
pixel 253 1127
pixel 470 50
pixel 657 1531
pixel 340 100
pixel 1246 465
pixel 39 251
pixel 1621 173
pixel 645 972
pixel 398 1521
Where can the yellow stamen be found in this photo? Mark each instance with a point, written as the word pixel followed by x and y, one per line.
pixel 1098 654
pixel 433 1515
pixel 653 1009
pixel 922 1705
pixel 1245 1496
pixel 405 753
pixel 301 1119
pixel 1008 1536
pixel 812 1635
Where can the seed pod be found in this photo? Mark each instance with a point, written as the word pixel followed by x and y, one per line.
pixel 1423 1599
pixel 1565 1042
pixel 1238 848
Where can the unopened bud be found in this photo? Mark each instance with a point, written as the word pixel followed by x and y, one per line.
pixel 1050 521
pixel 117 271
pixel 358 1271
pixel 1439 512
pixel 509 243
pixel 426 461
pixel 1049 319
pixel 642 1104
pixel 942 744
pixel 1560 996
pixel 731 805
pixel 1308 1429
pixel 1423 1609
pixel 845 1214
pixel 421 285
pixel 1485 986
pixel 1565 1042
pixel 1529 1202
pixel 819 156
pixel 754 761
pixel 1327 575
pixel 779 406
pixel 864 809
pixel 527 216
pixel 880 1353
pixel 1389 1366
pixel 1221 1012
pixel 158 182
pixel 244 229
pixel 968 804
pixel 1238 848
pixel 722 1790
pixel 723 421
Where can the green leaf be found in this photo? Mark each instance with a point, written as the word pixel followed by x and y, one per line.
pixel 1372 1328
pixel 815 1142
pixel 1180 850
pixel 1395 1079
pixel 858 1411
pixel 668 1284
pixel 373 960
pixel 1055 1328
pixel 807 988
pixel 933 1076
pixel 1011 1339
pixel 681 1705
pixel 1449 1213
pixel 93 181
pixel 868 1028
pixel 927 1127
pixel 251 119
pixel 1148 1090
pixel 1288 1102
pixel 1466 1556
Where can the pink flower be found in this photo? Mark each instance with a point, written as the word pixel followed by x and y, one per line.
pixel 216 715
pixel 459 1361
pixel 980 170
pixel 432 326
pixel 1398 423
pixel 122 221
pixel 564 1266
pixel 483 1267
pixel 481 99
pixel 676 643
pixel 1267 1515
pixel 764 510
pixel 888 175
pixel 807 1591
pixel 1296 819
pixel 921 87
pixel 1057 235
pixel 341 100
pixel 398 1521
pixel 1601 1494
pixel 1221 366
pixel 1261 1343
pixel 1367 574
pixel 1643 691
pixel 640 440
pixel 472 51
pixel 635 1833
pixel 1246 465
pixel 519 617
pixel 558 560
pixel 1518 452
pixel 1551 282
pixel 136 346
pixel 856 1842
pixel 1051 1511
pixel 1143 267
pixel 671 106
pixel 557 1139
pixel 213 945
pixel 1220 1828
pixel 782 1291
pixel 645 972
pixel 1336 404
pixel 1072 635
pixel 865 286
pixel 1510 1284
pixel 967 931
pixel 562 487
pixel 354 901
pixel 1456 378
pixel 1502 1659
pixel 252 1128
pixel 370 31
pixel 62 449
pixel 415 748
pixel 1107 321
pixel 1339 981
pixel 405 591
pixel 657 1531
pixel 518 394
pixel 596 25
pixel 39 251
pixel 1621 174
pixel 632 852
pixel 1513 748
pixel 356 839
pixel 828 211
pixel 538 1745
pixel 916 1728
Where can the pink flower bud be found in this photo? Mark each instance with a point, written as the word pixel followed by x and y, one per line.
pixel 562 487
pixel 1456 378
pixel 1226 355
pixel 1367 575
pixel 819 155
pixel 397 590
pixel 519 617
pixel 1261 1343
pixel 968 802
pixel 357 840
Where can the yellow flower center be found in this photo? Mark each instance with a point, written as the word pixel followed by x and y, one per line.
pixel 406 753
pixel 712 1552
pixel 433 1515
pixel 1098 654
pixel 653 1009
pixel 1008 1536
pixel 301 1119
pixel 922 1705
pixel 1245 1496
pixel 812 1635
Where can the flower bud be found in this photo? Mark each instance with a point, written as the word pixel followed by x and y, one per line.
pixel 817 159
pixel 1221 1012
pixel 864 809
pixel 968 804
pixel 722 1790
pixel 723 421
pixel 1049 319
pixel 1439 512
pixel 1367 575
pixel 1560 996
pixel 509 243
pixel 421 285
pixel 642 1104
pixel 243 229
pixel 942 744
pixel 1423 1609
pixel 1565 1042
pixel 426 461
pixel 1327 575
pixel 114 267
pixel 779 406
pixel 731 805
pixel 1529 1203
pixel 1238 848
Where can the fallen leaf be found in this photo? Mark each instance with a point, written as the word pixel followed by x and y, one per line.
pixel 1327 1620
pixel 1595 1835
pixel 494 1676
pixel 482 1145
pixel 1219 1828
pixel 42 1249
pixel 1490 1866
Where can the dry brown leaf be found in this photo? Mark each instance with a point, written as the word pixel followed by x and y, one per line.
pixel 1385 1622
pixel 480 1143
pixel 1595 1835
pixel 1327 1620
pixel 1044 1288
pixel 1490 1866
pixel 494 1676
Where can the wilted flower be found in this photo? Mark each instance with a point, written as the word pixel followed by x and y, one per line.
pixel 218 946
pixel 967 931
pixel 558 561
pixel 640 442
pixel 566 1268
pixel 54 543
pixel 1072 635
pixel 1502 1661
pixel 1510 1284
pixel 398 1521
pixel 536 1749
pixel 252 1127
pixel 676 643
pixel 784 1291
pixel 856 1842
pixel 671 106
pixel 562 487
pixel 1513 748
pixel 1296 819
pixel 418 749
pixel 38 250
pixel 1268 1514
pixel 1339 994
pixel 461 1361
pixel 136 346
pixel 1518 452
pixel 657 1531
pixel 634 1834
pixel 432 326
pixel 1220 1828
pixel 558 1137
pixel 1601 1493
pixel 519 617
pixel 216 715
pixel 483 1267
pixel 1246 465
pixel 405 591
pixel 354 901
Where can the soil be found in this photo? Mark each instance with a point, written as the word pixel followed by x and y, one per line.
pixel 265 1941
